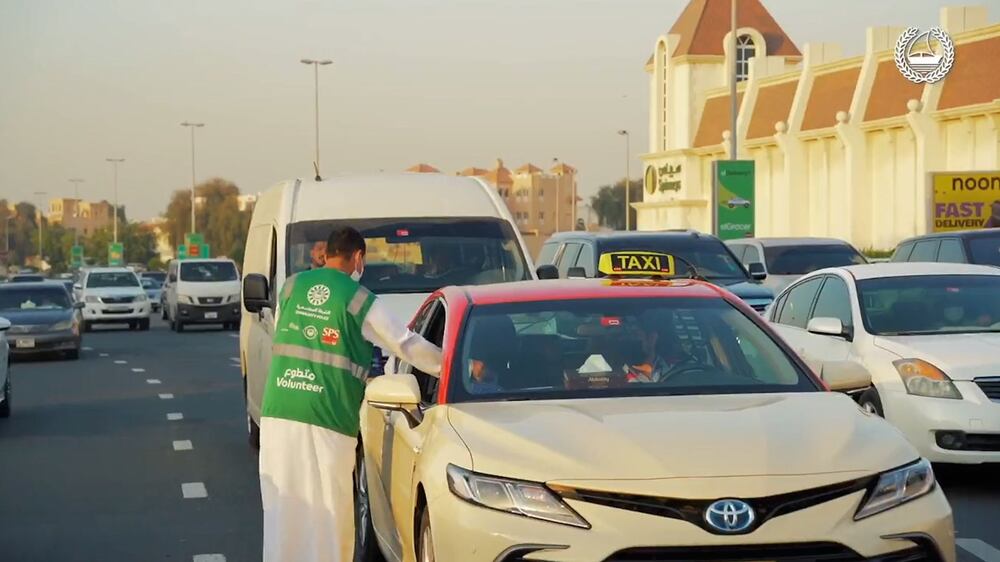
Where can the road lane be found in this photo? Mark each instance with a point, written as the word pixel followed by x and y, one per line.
pixel 91 470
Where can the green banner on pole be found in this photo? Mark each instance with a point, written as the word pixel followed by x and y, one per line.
pixel 733 182
pixel 194 238
pixel 116 254
pixel 76 256
pixel 182 252
pixel 204 251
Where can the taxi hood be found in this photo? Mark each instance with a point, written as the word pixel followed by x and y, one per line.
pixel 677 437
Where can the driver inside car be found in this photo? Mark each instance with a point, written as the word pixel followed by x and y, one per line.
pixel 661 352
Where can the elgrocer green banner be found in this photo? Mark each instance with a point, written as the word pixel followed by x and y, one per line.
pixel 733 182
pixel 76 256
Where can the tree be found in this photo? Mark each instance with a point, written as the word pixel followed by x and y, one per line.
pixel 218 217
pixel 139 244
pixel 609 204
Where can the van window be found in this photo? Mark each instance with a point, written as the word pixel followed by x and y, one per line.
pixel 421 255
pixel 548 254
pixel 925 251
pixel 902 253
pixel 208 271
pixel 951 251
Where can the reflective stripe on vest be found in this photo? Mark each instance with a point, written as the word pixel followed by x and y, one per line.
pixel 322 357
pixel 360 297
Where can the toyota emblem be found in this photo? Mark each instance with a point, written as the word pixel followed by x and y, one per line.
pixel 730 516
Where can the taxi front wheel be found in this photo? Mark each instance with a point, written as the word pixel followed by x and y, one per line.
pixel 425 544
pixel 871 402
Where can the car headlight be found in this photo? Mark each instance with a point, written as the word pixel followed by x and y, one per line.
pixel 529 499
pixel 91 299
pixel 233 298
pixel 64 325
pixel 185 299
pixel 141 298
pixel 897 487
pixel 923 379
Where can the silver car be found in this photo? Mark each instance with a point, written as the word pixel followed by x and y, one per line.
pixel 786 259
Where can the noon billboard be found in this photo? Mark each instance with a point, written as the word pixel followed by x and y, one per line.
pixel 965 200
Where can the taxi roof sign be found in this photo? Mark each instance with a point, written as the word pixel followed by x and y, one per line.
pixel 638 263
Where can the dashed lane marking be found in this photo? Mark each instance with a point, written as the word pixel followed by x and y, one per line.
pixel 104 354
pixel 152 381
pixel 194 490
pixel 209 558
pixel 980 549
pixel 120 362
pixel 237 336
pixel 87 349
pixel 174 416
pixel 166 396
pixel 183 445
pixel 138 370
pixel 234 359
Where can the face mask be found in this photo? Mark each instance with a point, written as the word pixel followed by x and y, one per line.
pixel 954 313
pixel 358 272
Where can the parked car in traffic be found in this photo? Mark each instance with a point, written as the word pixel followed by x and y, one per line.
pixel 966 246
pixel 579 254
pixel 787 259
pixel 630 420
pixel 5 392
pixel 416 245
pixel 43 317
pixel 929 335
pixel 202 291
pixel 112 295
pixel 160 276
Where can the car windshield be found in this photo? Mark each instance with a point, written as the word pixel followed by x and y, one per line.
pixel 34 298
pixel 931 304
pixel 419 255
pixel 711 257
pixel 806 258
pixel 150 283
pixel 27 279
pixel 985 250
pixel 618 347
pixel 208 271
pixel 103 279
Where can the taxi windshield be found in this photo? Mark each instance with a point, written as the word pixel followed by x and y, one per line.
pixel 418 255
pixel 618 347
pixel 709 256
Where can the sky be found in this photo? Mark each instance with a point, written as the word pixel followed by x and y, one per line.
pixel 454 83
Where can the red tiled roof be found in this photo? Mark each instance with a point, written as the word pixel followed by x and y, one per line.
pixel 715 119
pixel 831 92
pixel 974 78
pixel 703 26
pixel 774 102
pixel 423 169
pixel 890 92
pixel 528 168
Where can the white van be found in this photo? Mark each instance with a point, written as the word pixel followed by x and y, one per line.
pixel 202 291
pixel 403 218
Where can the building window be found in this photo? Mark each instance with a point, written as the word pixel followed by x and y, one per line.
pixel 744 52
pixel 541 215
pixel 541 192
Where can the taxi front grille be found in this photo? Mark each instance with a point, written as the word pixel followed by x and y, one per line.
pixel 693 510
pixel 793 552
pixel 990 387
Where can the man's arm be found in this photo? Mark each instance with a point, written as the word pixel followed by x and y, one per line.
pixel 383 329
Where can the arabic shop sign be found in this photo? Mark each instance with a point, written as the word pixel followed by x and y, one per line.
pixel 965 201
pixel 663 178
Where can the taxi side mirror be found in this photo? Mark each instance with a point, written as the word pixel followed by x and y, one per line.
pixel 757 271
pixel 395 393
pixel 547 271
pixel 845 376
pixel 256 293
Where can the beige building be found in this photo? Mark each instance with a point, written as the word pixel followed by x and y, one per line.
pixel 81 216
pixel 540 201
pixel 158 226
pixel 843 146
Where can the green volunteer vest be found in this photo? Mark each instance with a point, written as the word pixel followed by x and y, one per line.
pixel 320 360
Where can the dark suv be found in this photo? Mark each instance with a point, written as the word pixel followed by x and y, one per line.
pixel 577 254
pixel 966 246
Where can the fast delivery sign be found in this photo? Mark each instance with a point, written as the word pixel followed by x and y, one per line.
pixel 965 201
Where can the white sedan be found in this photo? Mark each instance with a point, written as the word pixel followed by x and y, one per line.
pixel 928 333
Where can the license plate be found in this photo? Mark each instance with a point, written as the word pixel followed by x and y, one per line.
pixel 119 308
pixel 211 315
pixel 24 342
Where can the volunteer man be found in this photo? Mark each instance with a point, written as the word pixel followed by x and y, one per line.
pixel 309 420
pixel 318 255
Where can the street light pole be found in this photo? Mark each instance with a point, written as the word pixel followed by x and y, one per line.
pixel 192 126
pixel 114 166
pixel 733 108
pixel 76 208
pixel 41 230
pixel 628 190
pixel 316 64
pixel 7 232
pixel 558 199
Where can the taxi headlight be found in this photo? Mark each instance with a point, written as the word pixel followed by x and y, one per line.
pixel 529 499
pixel 897 487
pixel 91 299
pixel 923 379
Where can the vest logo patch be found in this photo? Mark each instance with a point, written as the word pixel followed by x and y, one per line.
pixel 331 336
pixel 310 332
pixel 318 295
